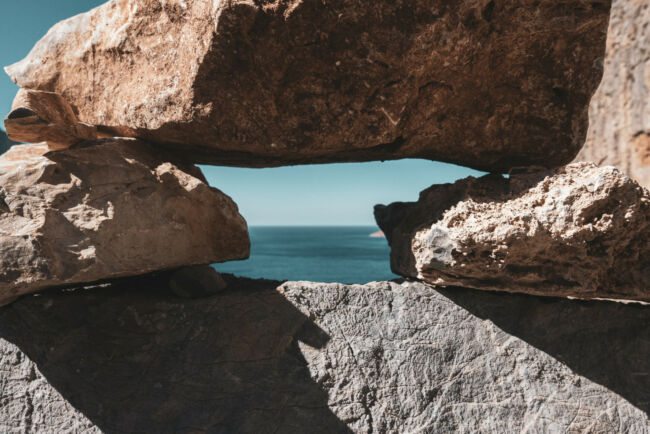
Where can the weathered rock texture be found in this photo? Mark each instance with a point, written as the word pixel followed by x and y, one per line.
pixel 578 231
pixel 487 84
pixel 107 210
pixel 381 358
pixel 619 133
pixel 46 117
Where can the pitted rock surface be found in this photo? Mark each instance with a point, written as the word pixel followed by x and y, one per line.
pixel 488 84
pixel 579 231
pixel 326 358
pixel 110 209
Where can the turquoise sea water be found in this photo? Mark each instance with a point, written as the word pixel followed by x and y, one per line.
pixel 319 254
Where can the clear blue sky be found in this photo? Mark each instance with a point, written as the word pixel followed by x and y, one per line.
pixel 334 194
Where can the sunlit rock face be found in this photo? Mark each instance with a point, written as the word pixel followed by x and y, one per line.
pixel 110 209
pixel 619 132
pixel 579 231
pixel 321 358
pixel 487 84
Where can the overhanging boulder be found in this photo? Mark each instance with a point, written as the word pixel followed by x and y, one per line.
pixel 487 84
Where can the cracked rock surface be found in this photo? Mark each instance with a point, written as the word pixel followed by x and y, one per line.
pixel 579 231
pixel 110 209
pixel 482 83
pixel 619 130
pixel 309 357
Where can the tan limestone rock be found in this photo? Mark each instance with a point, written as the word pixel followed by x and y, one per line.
pixel 487 84
pixel 109 209
pixel 619 131
pixel 579 231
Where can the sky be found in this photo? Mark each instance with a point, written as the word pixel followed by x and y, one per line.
pixel 331 194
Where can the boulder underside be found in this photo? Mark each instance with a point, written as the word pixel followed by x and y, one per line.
pixel 487 84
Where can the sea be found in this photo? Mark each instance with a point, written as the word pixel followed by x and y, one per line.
pixel 314 253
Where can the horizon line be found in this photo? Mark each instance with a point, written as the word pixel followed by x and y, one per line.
pixel 314 225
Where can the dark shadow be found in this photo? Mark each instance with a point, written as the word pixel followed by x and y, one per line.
pixel 5 142
pixel 606 342
pixel 132 357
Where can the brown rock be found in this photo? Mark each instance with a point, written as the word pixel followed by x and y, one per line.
pixel 108 210
pixel 487 84
pixel 619 132
pixel 579 231
pixel 38 116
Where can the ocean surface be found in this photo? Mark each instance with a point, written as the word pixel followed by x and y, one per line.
pixel 319 254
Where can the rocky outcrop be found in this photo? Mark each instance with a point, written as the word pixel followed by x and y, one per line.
pixel 308 357
pixel 110 209
pixel 619 132
pixel 579 231
pixel 487 84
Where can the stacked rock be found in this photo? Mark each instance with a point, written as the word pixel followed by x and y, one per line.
pixel 507 84
pixel 81 207
pixel 107 209
pixel 119 104
pixel 578 230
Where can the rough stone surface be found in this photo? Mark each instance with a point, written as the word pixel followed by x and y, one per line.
pixel 110 209
pixel 46 117
pixel 578 231
pixel 619 133
pixel 322 358
pixel 487 84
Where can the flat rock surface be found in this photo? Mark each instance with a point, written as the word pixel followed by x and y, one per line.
pixel 308 357
pixel 619 131
pixel 578 231
pixel 110 209
pixel 487 84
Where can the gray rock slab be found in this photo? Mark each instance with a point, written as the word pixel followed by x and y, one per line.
pixel 309 357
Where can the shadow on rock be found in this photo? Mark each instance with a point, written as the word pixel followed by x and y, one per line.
pixel 606 342
pixel 135 358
